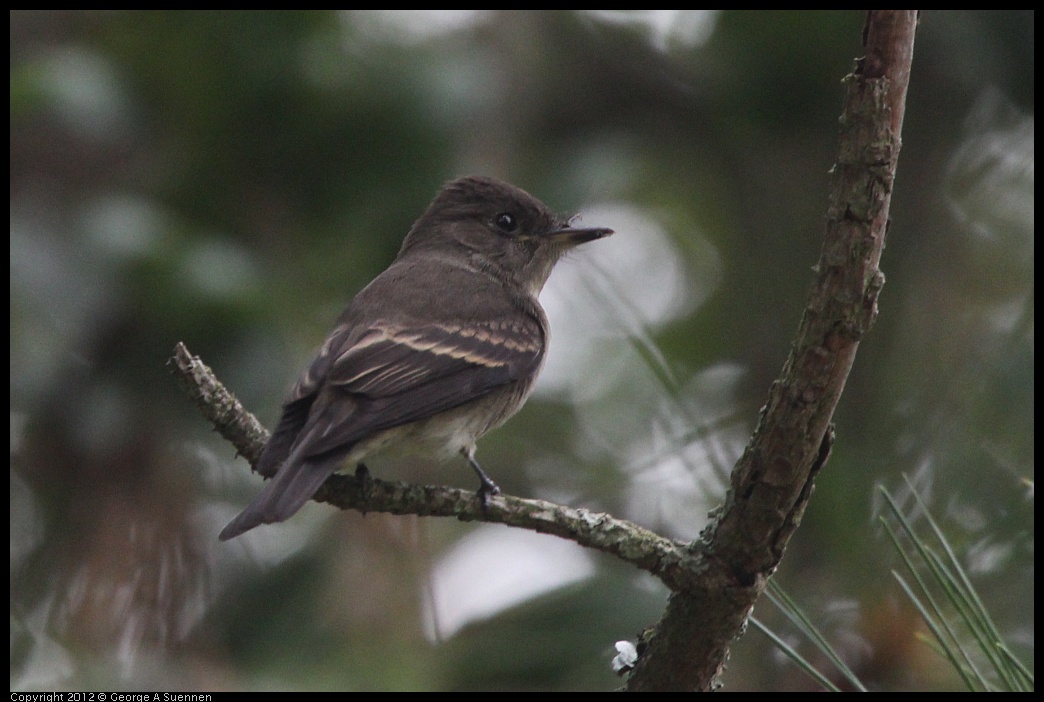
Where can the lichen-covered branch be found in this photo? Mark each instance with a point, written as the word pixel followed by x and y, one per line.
pixel 667 559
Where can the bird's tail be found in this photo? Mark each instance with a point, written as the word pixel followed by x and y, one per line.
pixel 294 484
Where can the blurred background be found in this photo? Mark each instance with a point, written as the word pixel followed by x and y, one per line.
pixel 231 179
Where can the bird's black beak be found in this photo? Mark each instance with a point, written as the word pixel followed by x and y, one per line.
pixel 572 237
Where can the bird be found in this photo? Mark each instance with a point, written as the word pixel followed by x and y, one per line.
pixel 441 347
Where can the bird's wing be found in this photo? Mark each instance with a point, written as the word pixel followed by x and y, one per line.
pixel 394 374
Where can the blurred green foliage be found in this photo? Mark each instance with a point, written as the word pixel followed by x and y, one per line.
pixel 230 179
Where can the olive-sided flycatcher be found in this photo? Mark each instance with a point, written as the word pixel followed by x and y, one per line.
pixel 440 348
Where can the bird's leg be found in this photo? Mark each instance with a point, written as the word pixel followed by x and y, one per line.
pixel 488 487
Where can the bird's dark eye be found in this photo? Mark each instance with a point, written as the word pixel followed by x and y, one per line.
pixel 506 222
